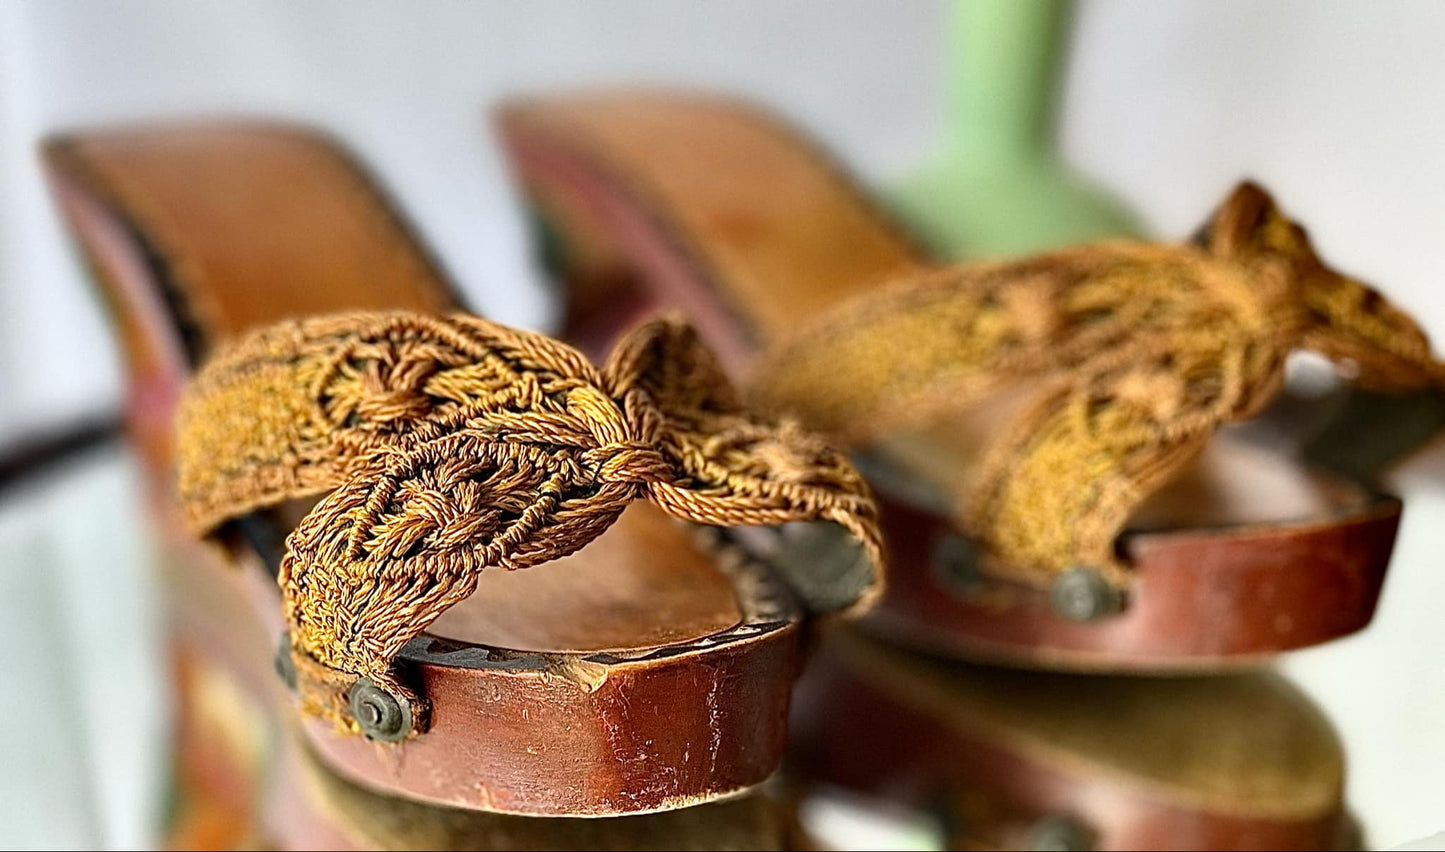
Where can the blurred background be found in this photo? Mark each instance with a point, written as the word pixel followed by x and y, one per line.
pixel 1336 106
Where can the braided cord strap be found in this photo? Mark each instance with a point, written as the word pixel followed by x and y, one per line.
pixel 453 445
pixel 1135 355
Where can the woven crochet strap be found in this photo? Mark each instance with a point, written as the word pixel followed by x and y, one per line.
pixel 453 445
pixel 1140 352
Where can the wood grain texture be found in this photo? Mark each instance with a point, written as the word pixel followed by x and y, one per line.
pixel 247 775
pixel 345 815
pixel 1201 600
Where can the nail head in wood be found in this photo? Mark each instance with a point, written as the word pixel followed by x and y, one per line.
pixel 381 714
pixel 1082 594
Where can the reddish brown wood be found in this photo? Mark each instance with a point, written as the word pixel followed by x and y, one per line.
pixel 989 788
pixel 223 621
pixel 231 796
pixel 1200 599
pixel 668 276
pixel 333 812
pixel 646 736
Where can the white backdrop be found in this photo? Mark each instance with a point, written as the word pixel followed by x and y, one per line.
pixel 1339 107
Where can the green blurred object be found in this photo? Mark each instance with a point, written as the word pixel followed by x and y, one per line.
pixel 999 187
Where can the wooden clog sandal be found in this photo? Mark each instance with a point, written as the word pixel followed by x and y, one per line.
pixel 217 802
pixel 406 450
pixel 1045 434
pixel 339 814
pixel 1010 759
pixel 245 779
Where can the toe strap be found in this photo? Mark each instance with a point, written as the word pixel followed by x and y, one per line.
pixel 1132 354
pixel 450 446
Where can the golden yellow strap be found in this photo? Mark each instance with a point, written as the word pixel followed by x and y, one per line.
pixel 455 445
pixel 1135 354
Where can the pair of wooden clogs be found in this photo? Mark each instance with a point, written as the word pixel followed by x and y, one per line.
pixel 1048 440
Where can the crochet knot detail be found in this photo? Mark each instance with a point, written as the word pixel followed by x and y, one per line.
pixel 449 446
pixel 1105 369
pixel 386 381
pixel 386 406
pixel 634 463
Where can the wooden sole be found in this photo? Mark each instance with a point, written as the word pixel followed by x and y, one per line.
pixel 1201 601
pixel 658 193
pixel 1011 759
pixel 548 698
pixel 366 820
pixel 591 734
pixel 247 776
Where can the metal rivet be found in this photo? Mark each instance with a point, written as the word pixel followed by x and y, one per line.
pixel 1082 594
pixel 284 663
pixel 381 714
pixel 1059 834
pixel 955 561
